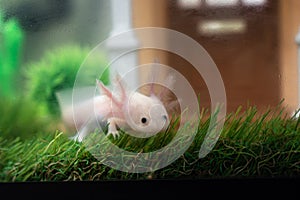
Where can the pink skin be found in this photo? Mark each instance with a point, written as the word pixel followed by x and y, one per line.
pixel 115 110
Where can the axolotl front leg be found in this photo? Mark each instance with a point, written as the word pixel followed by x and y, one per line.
pixel 118 106
pixel 113 124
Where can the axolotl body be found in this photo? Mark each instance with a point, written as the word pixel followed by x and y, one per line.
pixel 133 111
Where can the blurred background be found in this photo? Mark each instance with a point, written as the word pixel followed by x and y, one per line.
pixel 252 42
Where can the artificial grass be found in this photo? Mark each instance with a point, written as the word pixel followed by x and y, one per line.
pixel 250 145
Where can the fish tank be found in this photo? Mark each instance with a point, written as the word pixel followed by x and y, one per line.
pixel 153 93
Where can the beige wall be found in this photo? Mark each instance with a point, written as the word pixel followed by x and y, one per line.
pixel 289 26
pixel 150 13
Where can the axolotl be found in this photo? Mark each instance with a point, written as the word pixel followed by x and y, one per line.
pixel 141 114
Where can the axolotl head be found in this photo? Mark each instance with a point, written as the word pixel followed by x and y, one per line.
pixel 146 115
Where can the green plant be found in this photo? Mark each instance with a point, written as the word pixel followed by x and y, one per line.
pixel 251 145
pixel 21 118
pixel 57 71
pixel 11 41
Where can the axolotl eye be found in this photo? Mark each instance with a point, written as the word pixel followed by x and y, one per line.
pixel 144 120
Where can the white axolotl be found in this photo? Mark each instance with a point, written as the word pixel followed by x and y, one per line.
pixel 131 111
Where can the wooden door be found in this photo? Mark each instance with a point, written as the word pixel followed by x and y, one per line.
pixel 247 60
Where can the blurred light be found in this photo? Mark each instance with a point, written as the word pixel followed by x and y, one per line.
pixel 222 2
pixel 254 2
pixel 216 27
pixel 189 4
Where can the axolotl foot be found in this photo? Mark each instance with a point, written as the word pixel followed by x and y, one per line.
pixel 112 127
pixel 115 134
